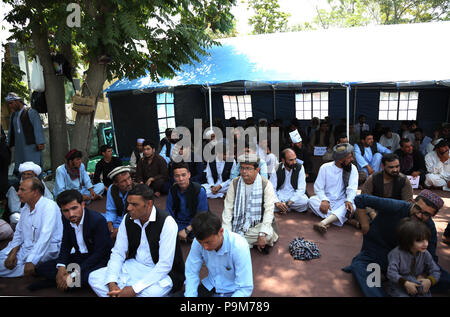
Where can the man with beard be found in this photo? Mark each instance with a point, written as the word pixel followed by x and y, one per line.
pixel 167 148
pixel 152 170
pixel 335 189
pixel 368 153
pixel 138 152
pixel 73 175
pixel 289 182
pixel 379 237
pixel 302 153
pixel 438 166
pixel 389 183
pixel 412 162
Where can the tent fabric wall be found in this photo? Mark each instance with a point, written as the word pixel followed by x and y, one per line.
pixel 189 105
pixel 134 117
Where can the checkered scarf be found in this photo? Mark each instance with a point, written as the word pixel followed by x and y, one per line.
pixel 301 249
pixel 249 215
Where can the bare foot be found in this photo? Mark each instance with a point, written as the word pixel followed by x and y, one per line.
pixel 355 223
pixel 321 228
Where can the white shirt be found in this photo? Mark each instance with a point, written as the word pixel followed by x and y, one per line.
pixel 435 166
pixel 39 231
pixel 220 165
pixel 79 235
pixel 329 184
pixel 152 273
pixel 286 192
pixel 393 143
pixel 358 129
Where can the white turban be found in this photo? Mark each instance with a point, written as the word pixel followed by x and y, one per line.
pixel 30 166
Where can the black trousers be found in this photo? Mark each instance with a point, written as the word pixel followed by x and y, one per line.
pixel 49 270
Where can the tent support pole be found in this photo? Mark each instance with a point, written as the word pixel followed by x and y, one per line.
pixel 210 107
pixel 348 112
pixel 274 103
pixel 354 105
pixel 112 125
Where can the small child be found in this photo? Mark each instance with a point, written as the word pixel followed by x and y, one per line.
pixel 411 270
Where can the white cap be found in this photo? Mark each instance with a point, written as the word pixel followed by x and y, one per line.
pixel 30 166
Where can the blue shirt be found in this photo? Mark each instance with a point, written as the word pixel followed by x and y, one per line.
pixel 111 214
pixel 64 182
pixel 230 268
pixel 184 217
pixel 365 160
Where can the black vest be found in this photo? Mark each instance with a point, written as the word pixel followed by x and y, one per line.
pixel 374 148
pixel 225 173
pixel 120 208
pixel 153 233
pixel 378 186
pixel 27 127
pixel 281 175
pixel 191 198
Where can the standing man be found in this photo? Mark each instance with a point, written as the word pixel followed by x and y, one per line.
pixel 86 232
pixel 106 165
pixel 185 200
pixel 226 256
pixel 249 205
pixel 335 189
pixel 25 132
pixel 146 260
pixel 361 125
pixel 301 153
pixel 368 154
pixel 116 198
pixel 379 237
pixel 38 234
pixel 438 167
pixel 289 182
pixel 73 175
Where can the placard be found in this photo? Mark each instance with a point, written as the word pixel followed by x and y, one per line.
pixel 320 150
pixel 414 181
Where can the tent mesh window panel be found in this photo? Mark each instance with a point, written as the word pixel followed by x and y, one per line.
pixel 239 107
pixel 396 105
pixel 166 113
pixel 311 104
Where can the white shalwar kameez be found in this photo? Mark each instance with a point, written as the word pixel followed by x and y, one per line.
pixel 220 165
pixel 329 186
pixel 438 172
pixel 141 273
pixel 39 233
pixel 287 193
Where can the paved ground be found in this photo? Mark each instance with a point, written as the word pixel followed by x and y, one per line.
pixel 278 274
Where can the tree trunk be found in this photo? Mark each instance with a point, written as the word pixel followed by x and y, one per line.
pixel 84 123
pixel 54 96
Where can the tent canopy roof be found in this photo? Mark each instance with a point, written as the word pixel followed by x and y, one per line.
pixel 405 54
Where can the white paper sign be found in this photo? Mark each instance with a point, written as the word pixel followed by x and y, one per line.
pixel 295 136
pixel 320 150
pixel 414 181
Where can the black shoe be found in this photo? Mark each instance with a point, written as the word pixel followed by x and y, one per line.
pixel 41 285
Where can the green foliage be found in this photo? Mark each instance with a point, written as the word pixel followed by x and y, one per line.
pixel 349 13
pixel 160 35
pixel 268 18
pixel 12 80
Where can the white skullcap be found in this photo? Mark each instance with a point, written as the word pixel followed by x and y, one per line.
pixel 140 140
pixel 209 132
pixel 30 166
